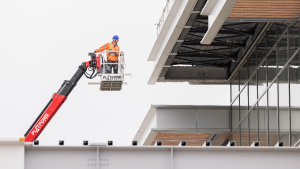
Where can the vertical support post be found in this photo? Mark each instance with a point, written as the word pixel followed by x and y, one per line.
pixel 268 137
pixel 98 166
pixel 257 107
pixel 230 122
pixel 248 102
pixel 172 153
pixel 230 92
pixel 289 87
pixel 240 137
pixel 230 113
pixel 299 36
pixel 119 65
pixel 105 62
pixel 278 128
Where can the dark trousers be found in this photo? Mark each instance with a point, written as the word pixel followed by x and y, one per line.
pixel 109 67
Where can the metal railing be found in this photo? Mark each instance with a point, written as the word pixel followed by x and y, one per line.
pixel 164 15
pixel 104 63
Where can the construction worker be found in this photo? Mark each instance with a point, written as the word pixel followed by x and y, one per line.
pixel 112 57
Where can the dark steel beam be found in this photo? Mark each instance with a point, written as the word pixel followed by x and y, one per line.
pixel 228 37
pixel 206 52
pixel 201 55
pixel 229 32
pixel 242 23
pixel 238 31
pixel 202 17
pixel 223 42
pixel 202 61
pixel 219 43
pixel 210 56
pixel 234 30
pixel 199 64
pixel 219 49
pixel 234 24
pixel 198 73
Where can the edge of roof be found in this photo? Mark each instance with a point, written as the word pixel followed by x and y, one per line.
pixel 169 34
pixel 164 30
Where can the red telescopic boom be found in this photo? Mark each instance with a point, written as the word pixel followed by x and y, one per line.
pixel 59 98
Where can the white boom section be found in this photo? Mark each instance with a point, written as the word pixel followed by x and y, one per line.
pixel 217 11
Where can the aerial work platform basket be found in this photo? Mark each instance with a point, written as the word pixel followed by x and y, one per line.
pixel 110 80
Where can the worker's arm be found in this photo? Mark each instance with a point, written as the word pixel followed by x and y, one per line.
pixel 102 48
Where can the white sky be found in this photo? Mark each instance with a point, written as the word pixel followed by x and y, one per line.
pixel 42 43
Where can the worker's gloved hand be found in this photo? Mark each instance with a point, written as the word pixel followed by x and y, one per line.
pixel 95 52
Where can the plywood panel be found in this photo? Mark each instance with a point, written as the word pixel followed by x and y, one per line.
pixel 266 9
pixel 182 136
pixel 170 143
pixel 194 143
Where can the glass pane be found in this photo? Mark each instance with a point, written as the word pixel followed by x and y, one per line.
pixel 294 38
pixel 281 28
pixel 284 108
pixel 252 63
pixel 252 91
pixel 261 50
pixel 235 114
pixel 244 111
pixel 272 66
pixel 271 60
pixel 295 98
pixel 262 111
pixel 271 37
pixel 261 74
pixel 243 75
pixel 282 52
pixel 273 116
pixel 253 125
pixel 235 87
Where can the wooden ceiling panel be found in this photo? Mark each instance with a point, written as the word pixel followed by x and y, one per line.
pixel 289 9
pixel 194 143
pixel 170 143
pixel 181 136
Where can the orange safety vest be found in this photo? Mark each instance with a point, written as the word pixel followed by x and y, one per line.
pixel 112 56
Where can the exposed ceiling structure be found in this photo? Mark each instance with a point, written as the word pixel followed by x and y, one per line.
pixel 197 62
pixel 191 61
